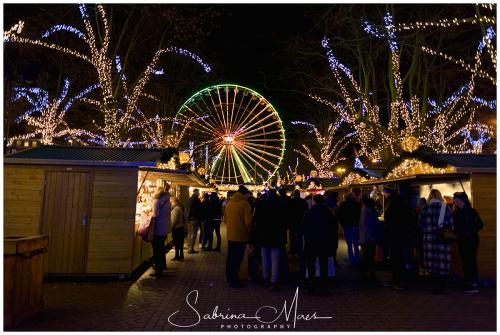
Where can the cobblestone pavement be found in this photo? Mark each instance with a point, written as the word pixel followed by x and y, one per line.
pixel 146 304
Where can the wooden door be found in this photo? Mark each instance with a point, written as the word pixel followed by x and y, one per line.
pixel 65 221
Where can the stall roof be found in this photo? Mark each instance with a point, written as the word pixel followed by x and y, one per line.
pixel 422 177
pixel 461 162
pixel 467 160
pixel 96 156
pixel 176 176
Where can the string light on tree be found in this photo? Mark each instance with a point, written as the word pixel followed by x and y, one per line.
pixel 326 149
pixel 100 57
pixel 441 129
pixel 47 117
pixel 354 178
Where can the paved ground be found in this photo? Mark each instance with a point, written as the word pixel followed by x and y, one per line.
pixel 146 304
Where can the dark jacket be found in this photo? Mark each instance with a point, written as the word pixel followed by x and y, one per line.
pixel 269 223
pixel 320 235
pixel 298 208
pixel 467 223
pixel 398 218
pixel 349 212
pixel 205 209
pixel 193 208
pixel 215 209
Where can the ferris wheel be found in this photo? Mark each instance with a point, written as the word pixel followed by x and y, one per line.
pixel 233 132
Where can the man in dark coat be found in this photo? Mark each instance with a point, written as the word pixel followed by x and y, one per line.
pixel 205 221
pixel 298 208
pixel 348 215
pixel 331 203
pixel 271 235
pixel 319 239
pixel 467 224
pixel 193 215
pixel 398 218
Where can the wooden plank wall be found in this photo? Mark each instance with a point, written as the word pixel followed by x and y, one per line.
pixel 23 193
pixel 112 221
pixel 484 196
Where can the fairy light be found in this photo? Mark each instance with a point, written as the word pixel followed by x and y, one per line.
pixel 440 129
pixel 14 30
pixel 484 134
pixel 354 178
pixel 99 56
pixel 330 147
pixel 63 27
pixel 445 23
pixel 411 166
pixel 49 122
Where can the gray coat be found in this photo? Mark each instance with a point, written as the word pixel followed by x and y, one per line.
pixel 177 217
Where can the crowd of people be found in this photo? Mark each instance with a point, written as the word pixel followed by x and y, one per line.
pixel 261 228
pixel 405 236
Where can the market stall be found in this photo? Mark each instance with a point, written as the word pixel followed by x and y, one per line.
pixel 88 201
pixel 416 175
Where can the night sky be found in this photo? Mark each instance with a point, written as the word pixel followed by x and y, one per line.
pixel 251 45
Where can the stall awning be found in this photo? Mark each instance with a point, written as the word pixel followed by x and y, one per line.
pixel 179 177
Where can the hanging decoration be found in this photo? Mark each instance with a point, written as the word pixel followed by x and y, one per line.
pixel 410 143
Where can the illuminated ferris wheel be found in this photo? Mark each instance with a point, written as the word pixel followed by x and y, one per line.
pixel 234 133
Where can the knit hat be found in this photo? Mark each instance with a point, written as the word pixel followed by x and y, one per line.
pixel 243 190
pixel 461 195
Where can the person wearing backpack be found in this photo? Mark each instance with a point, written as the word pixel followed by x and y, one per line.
pixel 467 225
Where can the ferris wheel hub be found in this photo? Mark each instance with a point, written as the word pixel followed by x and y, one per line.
pixel 229 139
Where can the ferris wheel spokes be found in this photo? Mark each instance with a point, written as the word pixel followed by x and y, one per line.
pixel 243 133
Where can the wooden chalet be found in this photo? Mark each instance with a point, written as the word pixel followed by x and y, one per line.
pixel 89 201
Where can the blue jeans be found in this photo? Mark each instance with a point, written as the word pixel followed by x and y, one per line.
pixel 235 253
pixel 270 261
pixel 351 234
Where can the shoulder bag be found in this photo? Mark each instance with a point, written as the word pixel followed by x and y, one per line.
pixel 443 234
pixel 147 228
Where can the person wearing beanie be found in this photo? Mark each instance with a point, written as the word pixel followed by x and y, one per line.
pixel 467 224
